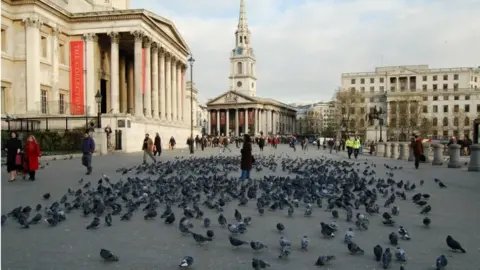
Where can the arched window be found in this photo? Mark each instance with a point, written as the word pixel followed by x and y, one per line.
pixel 455 121
pixel 241 39
pixel 251 69
pixel 246 40
pixel 445 121
pixel 352 123
pixel 434 122
pixel 467 121
pixel 362 122
pixel 239 68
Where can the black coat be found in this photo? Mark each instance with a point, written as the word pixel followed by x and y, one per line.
pixel 158 144
pixel 12 146
pixel 247 158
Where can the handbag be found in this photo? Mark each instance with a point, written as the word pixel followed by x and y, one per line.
pixel 18 159
pixel 253 160
pixel 422 158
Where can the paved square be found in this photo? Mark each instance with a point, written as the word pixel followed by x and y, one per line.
pixel 151 244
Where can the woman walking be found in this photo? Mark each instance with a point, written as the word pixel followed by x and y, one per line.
pixel 32 153
pixel 158 145
pixel 14 158
pixel 247 158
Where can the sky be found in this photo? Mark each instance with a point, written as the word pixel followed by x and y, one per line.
pixel 303 46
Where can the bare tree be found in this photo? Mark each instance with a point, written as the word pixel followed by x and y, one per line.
pixel 311 123
pixel 350 110
pixel 457 121
pixel 406 115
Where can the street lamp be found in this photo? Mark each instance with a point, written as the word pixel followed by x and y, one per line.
pixel 191 61
pixel 98 99
pixel 377 115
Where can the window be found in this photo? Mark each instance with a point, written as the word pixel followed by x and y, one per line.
pixel 61 53
pixel 456 98
pixel 455 76
pixel 445 108
pixel 352 81
pixel 435 98
pixel 424 78
pixel 424 87
pixel 455 121
pixel 467 97
pixel 445 86
pixel 381 80
pixel 372 89
pixel 382 89
pixel 435 108
pixel 392 88
pixel 362 89
pixel 44 101
pixel 445 133
pixel 467 121
pixel 4 96
pixel 455 86
pixel 362 110
pixel 478 108
pixel 362 81
pixel 445 97
pixel 456 108
pixel 61 104
pixel 445 121
pixel 371 99
pixel 434 122
pixel 43 47
pixel 467 108
pixel 434 78
pixel 239 68
pixel 425 98
pixel 372 80
pixel 445 77
pixel 4 40
pixel 434 87
pixel 425 109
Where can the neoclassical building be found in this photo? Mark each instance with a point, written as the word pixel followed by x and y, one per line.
pixel 239 110
pixel 56 55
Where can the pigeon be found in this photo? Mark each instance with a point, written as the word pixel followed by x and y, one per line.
pixel 170 218
pixel 285 251
pixel 94 224
pixel 400 255
pixel 454 244
pixel 393 238
pixel 107 255
pixel 280 227
pixel 206 222
pixel 324 259
pixel 354 249
pixel 236 242
pixel 187 261
pixel 238 215
pixel 46 196
pixel 210 233
pixel 378 251
pixel 403 233
pixel 108 220
pixel 386 258
pixel 349 235
pixel 200 239
pixel 35 219
pixel 304 243
pixel 426 221
pixel 259 264
pixel 4 220
pixel 222 220
pixel 426 209
pixel 441 262
pixel 257 246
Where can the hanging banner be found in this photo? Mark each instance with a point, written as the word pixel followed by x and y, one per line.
pixel 242 117
pixel 144 66
pixel 250 117
pixel 214 118
pixel 77 90
pixel 222 118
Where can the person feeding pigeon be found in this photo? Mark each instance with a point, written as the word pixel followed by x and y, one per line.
pixel 247 158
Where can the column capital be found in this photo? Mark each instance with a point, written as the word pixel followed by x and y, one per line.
pixel 90 37
pixel 154 47
pixel 138 35
pixel 32 21
pixel 114 37
pixel 56 31
pixel 147 42
pixel 167 55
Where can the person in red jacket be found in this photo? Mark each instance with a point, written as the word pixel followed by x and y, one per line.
pixel 32 153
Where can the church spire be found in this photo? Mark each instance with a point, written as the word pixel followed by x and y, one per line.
pixel 242 18
pixel 242 34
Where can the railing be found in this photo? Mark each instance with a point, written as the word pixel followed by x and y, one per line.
pixel 46 123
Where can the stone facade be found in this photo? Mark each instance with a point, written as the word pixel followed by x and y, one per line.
pixel 136 59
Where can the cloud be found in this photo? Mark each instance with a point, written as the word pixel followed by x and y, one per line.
pixel 303 46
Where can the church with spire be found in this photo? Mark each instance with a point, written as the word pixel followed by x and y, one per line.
pixel 240 110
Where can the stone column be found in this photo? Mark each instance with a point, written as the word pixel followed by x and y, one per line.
pixel 147 97
pixel 237 123
pixel 394 150
pixel 403 148
pixel 179 94
pixel 437 154
pixel 246 121
pixel 123 87
pixel 218 122
pixel 174 90
pixel 155 80
pixel 32 63
pixel 114 72
pixel 411 157
pixel 168 86
pixel 90 86
pixel 426 151
pixel 162 82
pixel 474 164
pixel 257 121
pixel 138 92
pixel 380 151
pixel 227 122
pixel 387 150
pixel 209 128
pixel 131 88
pixel 454 150
pixel 55 70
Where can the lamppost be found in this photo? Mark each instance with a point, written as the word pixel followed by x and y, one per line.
pixel 191 61
pixel 98 99
pixel 377 115
pixel 204 127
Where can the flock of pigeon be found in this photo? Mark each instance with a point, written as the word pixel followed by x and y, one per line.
pixel 184 192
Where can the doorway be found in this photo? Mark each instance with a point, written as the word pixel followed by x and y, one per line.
pixel 103 91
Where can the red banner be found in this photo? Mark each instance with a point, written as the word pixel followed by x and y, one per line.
pixel 214 118
pixel 222 118
pixel 144 65
pixel 77 99
pixel 242 117
pixel 250 117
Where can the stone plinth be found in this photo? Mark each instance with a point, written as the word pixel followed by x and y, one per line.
pixel 394 150
pixel 380 151
pixel 437 154
pixel 411 157
pixel 100 138
pixel 454 151
pixel 403 154
pixel 387 150
pixel 474 164
pixel 427 151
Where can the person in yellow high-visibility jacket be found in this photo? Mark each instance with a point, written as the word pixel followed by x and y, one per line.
pixel 356 146
pixel 349 145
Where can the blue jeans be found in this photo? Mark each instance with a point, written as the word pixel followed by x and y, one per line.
pixel 245 174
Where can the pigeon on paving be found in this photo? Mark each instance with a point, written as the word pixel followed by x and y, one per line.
pixel 304 243
pixel 324 259
pixel 454 244
pixel 257 246
pixel 441 262
pixel 386 258
pixel 187 261
pixel 259 264
pixel 378 251
pixel 107 255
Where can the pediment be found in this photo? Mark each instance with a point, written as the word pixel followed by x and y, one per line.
pixel 230 98
pixel 169 29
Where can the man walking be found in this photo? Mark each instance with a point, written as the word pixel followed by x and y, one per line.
pixel 356 146
pixel 417 148
pixel 226 142
pixel 349 145
pixel 88 147
pixel 147 148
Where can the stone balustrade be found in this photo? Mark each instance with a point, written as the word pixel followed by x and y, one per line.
pixel 380 149
pixel 454 161
pixel 387 150
pixel 474 164
pixel 394 150
pixel 427 151
pixel 403 148
pixel 437 154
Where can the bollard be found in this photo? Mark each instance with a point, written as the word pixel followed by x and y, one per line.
pixel 426 151
pixel 474 165
pixel 437 154
pixel 402 155
pixel 454 150
pixel 387 150
pixel 411 157
pixel 380 149
pixel 394 150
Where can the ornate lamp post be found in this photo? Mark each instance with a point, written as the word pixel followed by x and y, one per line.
pixel 191 61
pixel 98 99
pixel 377 115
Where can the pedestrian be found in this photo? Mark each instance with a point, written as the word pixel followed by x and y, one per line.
pixel 372 148
pixel 356 146
pixel 247 159
pixel 417 147
pixel 88 147
pixel 108 132
pixel 330 145
pixel 294 142
pixel 147 148
pixel 172 143
pixel 226 142
pixel 157 149
pixel 349 145
pixel 337 146
pixel 32 154
pixel 261 142
pixel 13 148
